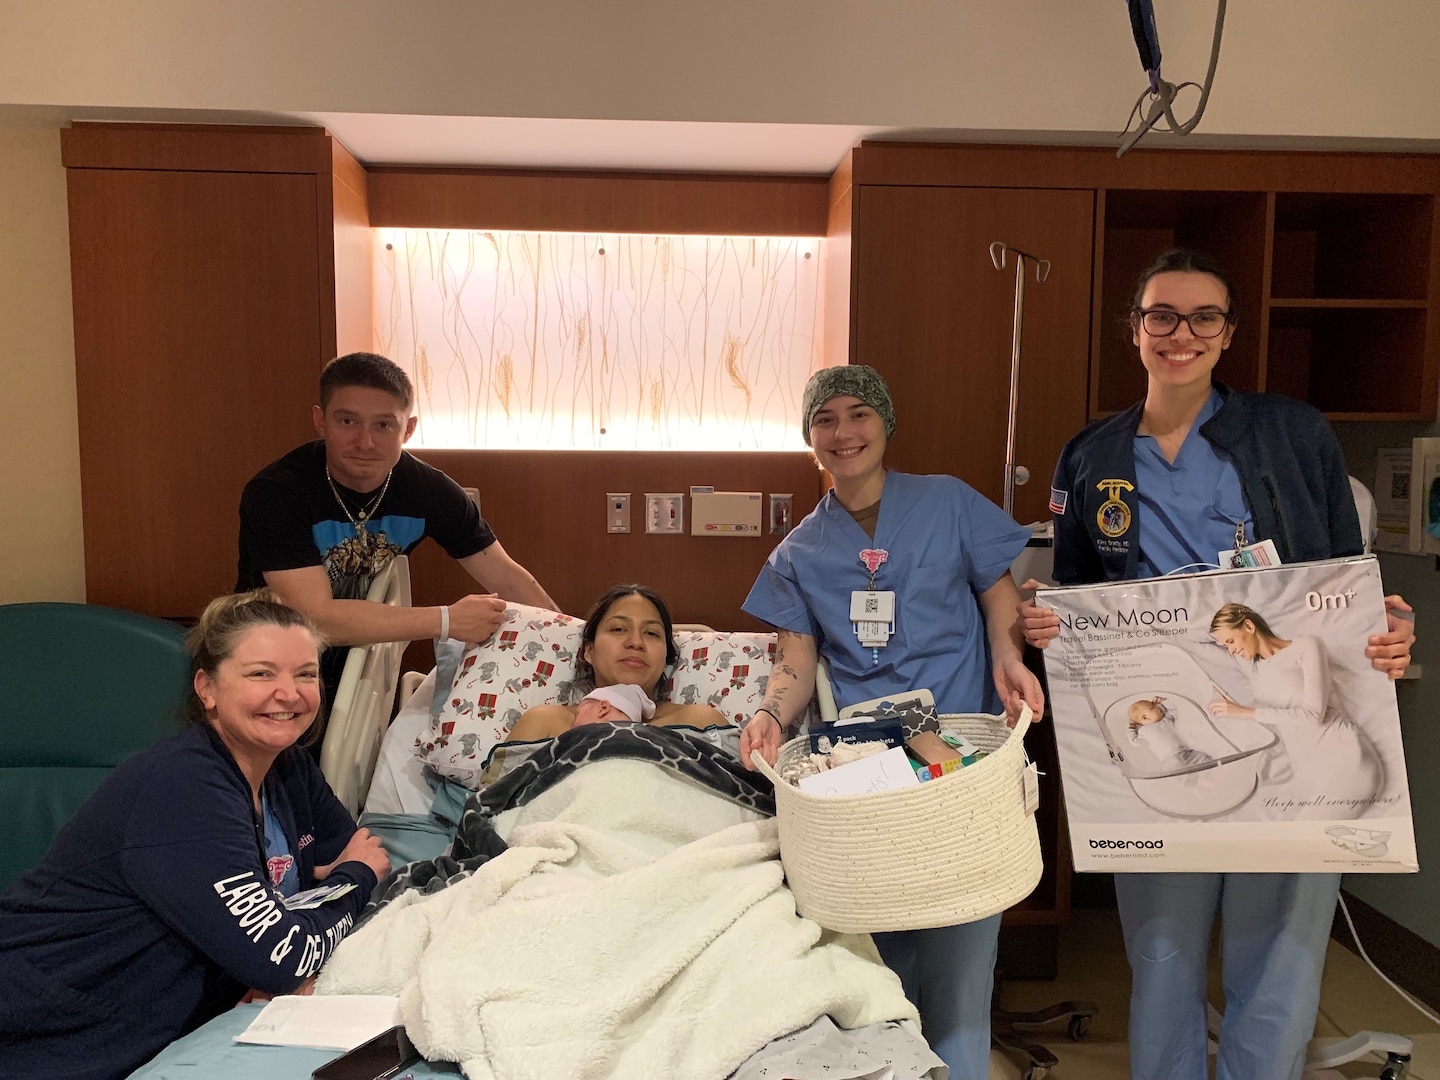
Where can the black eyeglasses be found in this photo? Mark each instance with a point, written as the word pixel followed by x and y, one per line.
pixel 1162 322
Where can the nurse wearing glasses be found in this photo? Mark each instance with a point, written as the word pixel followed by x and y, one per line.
pixel 1193 470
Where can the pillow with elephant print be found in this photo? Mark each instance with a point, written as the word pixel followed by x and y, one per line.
pixel 529 661
pixel 727 670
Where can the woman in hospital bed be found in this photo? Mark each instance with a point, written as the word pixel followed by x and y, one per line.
pixel 1293 691
pixel 628 640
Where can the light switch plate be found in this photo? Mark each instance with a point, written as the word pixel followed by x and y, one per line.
pixel 664 512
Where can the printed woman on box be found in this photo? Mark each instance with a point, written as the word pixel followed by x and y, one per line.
pixel 901 582
pixel 1195 470
pixel 1294 691
pixel 162 900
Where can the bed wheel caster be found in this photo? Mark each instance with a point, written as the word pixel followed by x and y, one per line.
pixel 1397 1067
pixel 1078 1028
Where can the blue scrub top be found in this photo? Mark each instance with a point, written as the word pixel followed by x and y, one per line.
pixel 947 544
pixel 280 861
pixel 1189 507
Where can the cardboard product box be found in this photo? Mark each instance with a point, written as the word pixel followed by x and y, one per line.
pixel 1230 721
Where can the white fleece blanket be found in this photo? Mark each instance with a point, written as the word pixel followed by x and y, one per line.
pixel 637 927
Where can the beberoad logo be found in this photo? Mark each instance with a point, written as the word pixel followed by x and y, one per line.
pixel 1154 845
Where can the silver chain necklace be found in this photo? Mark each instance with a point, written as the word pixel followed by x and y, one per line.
pixel 366 513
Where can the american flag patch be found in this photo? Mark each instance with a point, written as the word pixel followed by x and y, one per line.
pixel 1058 499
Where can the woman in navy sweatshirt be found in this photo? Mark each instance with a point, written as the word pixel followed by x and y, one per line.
pixel 162 900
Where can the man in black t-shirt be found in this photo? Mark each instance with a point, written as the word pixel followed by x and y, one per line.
pixel 319 523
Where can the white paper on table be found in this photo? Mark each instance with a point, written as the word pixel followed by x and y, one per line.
pixel 324 1022
pixel 888 771
pixel 313 898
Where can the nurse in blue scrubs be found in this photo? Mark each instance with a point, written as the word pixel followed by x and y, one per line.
pixel 923 562
pixel 1193 470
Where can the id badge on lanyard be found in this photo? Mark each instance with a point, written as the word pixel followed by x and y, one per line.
pixel 1248 555
pixel 872 611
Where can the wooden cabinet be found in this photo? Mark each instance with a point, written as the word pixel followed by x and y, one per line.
pixel 1350 280
pixel 935 317
pixel 1335 258
pixel 205 284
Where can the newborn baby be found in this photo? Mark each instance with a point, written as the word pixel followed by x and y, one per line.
pixel 614 704
pixel 1152 725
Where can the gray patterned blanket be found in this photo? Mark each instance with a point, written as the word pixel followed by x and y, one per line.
pixel 636 925
pixel 678 751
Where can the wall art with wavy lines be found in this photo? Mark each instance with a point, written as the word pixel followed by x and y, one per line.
pixel 584 341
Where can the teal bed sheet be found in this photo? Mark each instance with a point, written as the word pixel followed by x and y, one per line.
pixel 211 1053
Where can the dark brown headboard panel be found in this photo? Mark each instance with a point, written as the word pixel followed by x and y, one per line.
pixel 548 508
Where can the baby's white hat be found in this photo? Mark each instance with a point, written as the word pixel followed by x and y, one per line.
pixel 631 700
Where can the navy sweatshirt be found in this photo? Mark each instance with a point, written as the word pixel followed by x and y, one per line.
pixel 152 912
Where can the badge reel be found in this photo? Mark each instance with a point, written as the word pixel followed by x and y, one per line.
pixel 873 615
pixel 1245 556
pixel 872 612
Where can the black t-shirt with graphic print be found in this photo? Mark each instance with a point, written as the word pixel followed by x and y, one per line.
pixel 289 518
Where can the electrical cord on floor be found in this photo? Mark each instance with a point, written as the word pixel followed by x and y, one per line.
pixel 1420 1008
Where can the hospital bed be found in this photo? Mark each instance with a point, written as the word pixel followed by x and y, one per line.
pixel 412 783
pixel 364 698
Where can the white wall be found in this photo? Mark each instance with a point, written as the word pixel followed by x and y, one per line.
pixel 41 551
pixel 1349 68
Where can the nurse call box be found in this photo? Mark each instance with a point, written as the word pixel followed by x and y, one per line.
pixel 725 513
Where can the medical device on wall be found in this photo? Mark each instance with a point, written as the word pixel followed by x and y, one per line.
pixel 1162 94
pixel 725 513
pixel 1016 474
pixel 617 511
pixel 1425 496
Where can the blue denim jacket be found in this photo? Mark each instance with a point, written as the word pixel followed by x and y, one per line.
pixel 1292 473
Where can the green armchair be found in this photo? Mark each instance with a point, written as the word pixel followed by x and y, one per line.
pixel 81 689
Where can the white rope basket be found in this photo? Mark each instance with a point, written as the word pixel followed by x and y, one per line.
pixel 953 850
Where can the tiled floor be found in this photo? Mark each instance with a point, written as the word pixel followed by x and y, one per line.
pixel 1092 966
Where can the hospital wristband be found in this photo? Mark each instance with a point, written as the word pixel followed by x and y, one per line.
pixel 444 622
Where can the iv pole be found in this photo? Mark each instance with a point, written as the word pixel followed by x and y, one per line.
pixel 1016 474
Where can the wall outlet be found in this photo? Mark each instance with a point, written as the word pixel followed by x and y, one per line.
pixel 617 512
pixel 782 506
pixel 474 494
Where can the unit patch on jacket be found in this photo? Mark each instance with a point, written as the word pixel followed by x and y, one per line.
pixel 1113 516
pixel 1058 499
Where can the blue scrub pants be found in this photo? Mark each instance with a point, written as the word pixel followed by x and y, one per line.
pixel 1273 932
pixel 948 973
